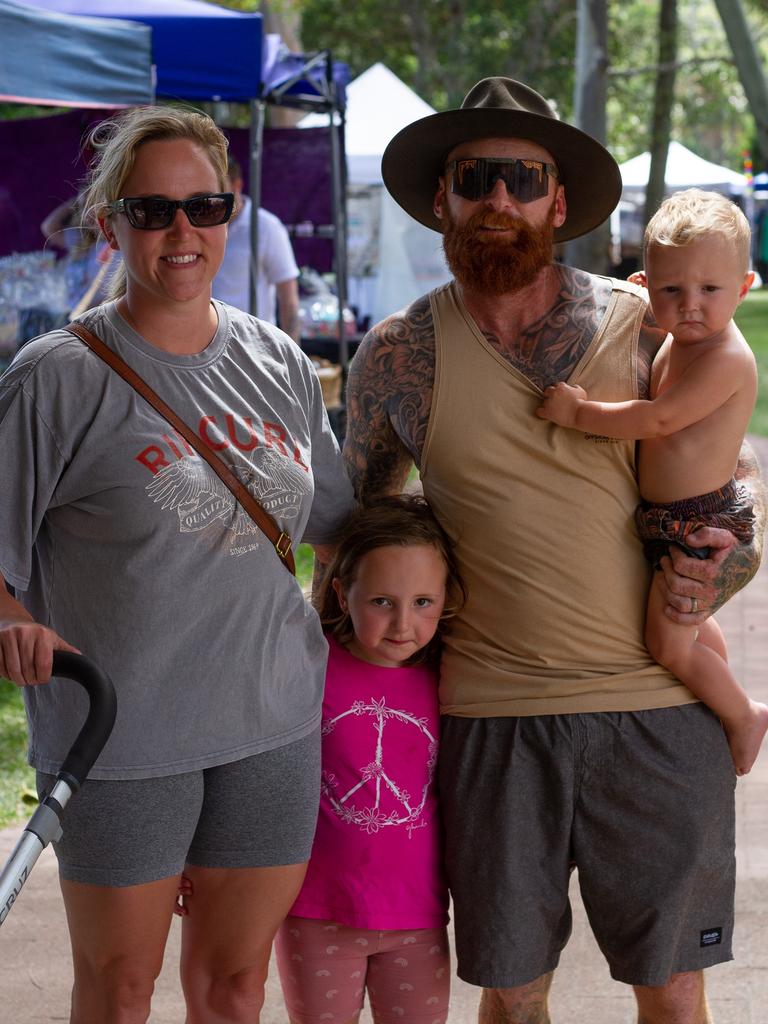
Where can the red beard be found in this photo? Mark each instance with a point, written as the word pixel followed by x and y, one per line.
pixel 497 266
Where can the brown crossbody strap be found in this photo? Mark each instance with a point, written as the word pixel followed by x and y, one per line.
pixel 280 540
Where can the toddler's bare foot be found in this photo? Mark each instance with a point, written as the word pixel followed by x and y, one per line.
pixel 745 736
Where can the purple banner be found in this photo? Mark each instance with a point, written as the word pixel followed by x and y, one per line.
pixel 296 185
pixel 41 167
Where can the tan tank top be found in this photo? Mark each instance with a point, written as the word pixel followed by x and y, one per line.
pixel 542 520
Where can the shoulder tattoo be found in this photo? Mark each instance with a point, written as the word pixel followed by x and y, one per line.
pixel 648 344
pixel 549 348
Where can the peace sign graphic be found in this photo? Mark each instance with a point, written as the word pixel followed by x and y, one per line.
pixel 378 799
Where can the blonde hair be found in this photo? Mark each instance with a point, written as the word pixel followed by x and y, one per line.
pixel 402 520
pixel 117 142
pixel 688 216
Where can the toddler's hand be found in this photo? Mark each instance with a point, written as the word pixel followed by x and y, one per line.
pixel 561 403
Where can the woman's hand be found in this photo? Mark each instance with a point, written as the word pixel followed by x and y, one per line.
pixel 26 651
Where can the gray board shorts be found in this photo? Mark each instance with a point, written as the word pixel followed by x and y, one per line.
pixel 260 811
pixel 640 803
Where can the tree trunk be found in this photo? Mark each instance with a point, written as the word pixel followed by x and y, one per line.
pixel 662 107
pixel 591 252
pixel 749 66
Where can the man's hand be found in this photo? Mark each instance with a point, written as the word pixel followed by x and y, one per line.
pixel 561 403
pixel 694 588
pixel 26 652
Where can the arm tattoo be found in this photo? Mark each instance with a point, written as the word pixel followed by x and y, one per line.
pixel 744 560
pixel 389 394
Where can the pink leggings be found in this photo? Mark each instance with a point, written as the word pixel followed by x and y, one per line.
pixel 325 969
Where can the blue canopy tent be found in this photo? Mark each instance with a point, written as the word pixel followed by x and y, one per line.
pixel 201 51
pixel 54 59
pixel 205 52
pixel 78 62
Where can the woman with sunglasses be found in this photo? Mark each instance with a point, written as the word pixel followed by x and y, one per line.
pixel 120 541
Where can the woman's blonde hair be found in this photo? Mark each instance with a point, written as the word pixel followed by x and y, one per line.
pixel 403 520
pixel 688 216
pixel 117 141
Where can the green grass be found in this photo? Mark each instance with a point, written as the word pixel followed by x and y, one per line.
pixel 17 779
pixel 752 318
pixel 305 561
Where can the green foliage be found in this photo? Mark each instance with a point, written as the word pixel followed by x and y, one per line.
pixel 707 82
pixel 16 111
pixel 442 47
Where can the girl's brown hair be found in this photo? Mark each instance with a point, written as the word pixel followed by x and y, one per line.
pixel 402 520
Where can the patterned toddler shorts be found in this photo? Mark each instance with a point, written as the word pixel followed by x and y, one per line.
pixel 659 525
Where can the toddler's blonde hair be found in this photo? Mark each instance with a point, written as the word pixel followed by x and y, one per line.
pixel 688 216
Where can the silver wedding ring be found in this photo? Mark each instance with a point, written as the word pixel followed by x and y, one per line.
pixel 694 605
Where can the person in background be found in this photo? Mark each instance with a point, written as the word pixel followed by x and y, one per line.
pixel 90 262
pixel 277 285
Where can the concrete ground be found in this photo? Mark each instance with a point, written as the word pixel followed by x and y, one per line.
pixel 35 973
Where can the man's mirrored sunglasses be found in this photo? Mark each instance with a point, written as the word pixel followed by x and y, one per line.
pixel 526 180
pixel 152 213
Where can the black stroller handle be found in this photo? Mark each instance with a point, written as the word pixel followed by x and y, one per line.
pixel 101 714
pixel 44 826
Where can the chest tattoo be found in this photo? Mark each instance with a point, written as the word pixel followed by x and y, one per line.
pixel 550 348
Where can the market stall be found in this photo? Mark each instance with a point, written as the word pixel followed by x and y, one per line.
pixel 205 52
pixel 52 59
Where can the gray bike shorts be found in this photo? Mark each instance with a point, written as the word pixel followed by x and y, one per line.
pixel 260 811
pixel 641 803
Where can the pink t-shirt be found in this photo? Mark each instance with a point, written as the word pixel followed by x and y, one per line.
pixel 376 861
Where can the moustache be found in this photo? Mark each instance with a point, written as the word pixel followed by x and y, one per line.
pixel 494 221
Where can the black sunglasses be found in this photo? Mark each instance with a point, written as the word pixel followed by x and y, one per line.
pixel 526 180
pixel 152 213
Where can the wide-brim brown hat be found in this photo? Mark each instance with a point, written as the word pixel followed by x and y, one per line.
pixel 500 108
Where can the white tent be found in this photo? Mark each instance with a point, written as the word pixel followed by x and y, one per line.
pixel 378 106
pixel 684 169
pixel 393 258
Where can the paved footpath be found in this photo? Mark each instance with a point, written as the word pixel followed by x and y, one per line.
pixel 35 975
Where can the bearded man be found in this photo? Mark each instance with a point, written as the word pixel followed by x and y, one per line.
pixel 563 744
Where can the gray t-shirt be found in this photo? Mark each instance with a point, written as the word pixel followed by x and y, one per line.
pixel 118 536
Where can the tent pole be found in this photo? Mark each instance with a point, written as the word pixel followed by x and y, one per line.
pixel 339 184
pixel 258 108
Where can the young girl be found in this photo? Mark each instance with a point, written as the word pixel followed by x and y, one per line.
pixel 372 912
